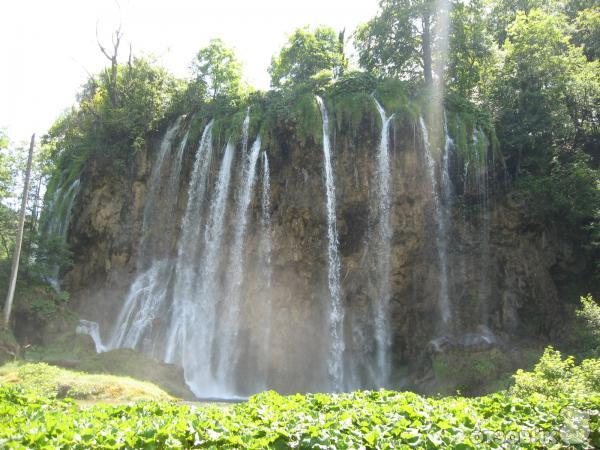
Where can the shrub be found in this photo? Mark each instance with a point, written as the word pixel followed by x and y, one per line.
pixel 556 377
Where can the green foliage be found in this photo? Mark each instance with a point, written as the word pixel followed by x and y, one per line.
pixel 306 54
pixel 569 195
pixel 106 131
pixel 370 420
pixel 587 34
pixel 398 97
pixel 354 81
pixel 552 376
pixel 351 108
pixel 390 45
pixel 503 13
pixel 217 68
pixel 8 227
pixel 5 169
pixel 544 94
pixel 588 333
pixel 590 313
pixel 470 48
pixel 291 111
pixel 545 90
pixel 555 377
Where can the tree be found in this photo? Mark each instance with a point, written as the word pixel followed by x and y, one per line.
pixel 587 34
pixel 504 12
pixel 114 63
pixel 470 52
pixel 5 177
pixel 544 92
pixel 111 133
pixel 307 53
pixel 217 67
pixel 19 240
pixel 398 41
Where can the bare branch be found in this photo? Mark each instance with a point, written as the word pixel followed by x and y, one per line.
pixel 102 49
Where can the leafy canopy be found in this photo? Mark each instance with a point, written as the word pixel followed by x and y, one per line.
pixel 544 90
pixel 306 54
pixel 470 48
pixel 217 67
pixel 391 44
pixel 108 132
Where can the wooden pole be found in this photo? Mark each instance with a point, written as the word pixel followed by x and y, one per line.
pixel 19 240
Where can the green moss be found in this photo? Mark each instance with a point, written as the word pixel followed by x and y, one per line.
pixel 351 109
pixel 474 137
pixel 393 94
pixel 469 371
pixel 306 116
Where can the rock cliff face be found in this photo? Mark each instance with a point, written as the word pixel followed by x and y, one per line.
pixel 500 268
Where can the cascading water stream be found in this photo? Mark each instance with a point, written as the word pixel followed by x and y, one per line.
pixel 148 293
pixel 336 309
pixel 265 249
pixel 151 219
pixel 229 323
pixel 188 246
pixel 441 217
pixel 59 214
pixel 447 188
pixel 382 246
pixel 245 129
pixel 91 329
pixel 197 347
pixel 483 199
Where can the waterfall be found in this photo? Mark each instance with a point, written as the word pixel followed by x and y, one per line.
pixel 188 246
pixel 152 219
pixel 483 199
pixel 183 309
pixel 140 314
pixel 265 249
pixel 447 188
pixel 245 129
pixel 91 329
pixel 229 323
pixel 441 217
pixel 199 324
pixel 56 227
pixel 336 310
pixel 382 244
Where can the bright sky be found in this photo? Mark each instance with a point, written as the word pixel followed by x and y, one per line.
pixel 46 47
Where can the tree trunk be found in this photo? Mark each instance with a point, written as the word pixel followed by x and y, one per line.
pixel 113 80
pixel 34 215
pixel 426 20
pixel 19 240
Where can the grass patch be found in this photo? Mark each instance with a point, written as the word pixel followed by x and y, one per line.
pixel 51 381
